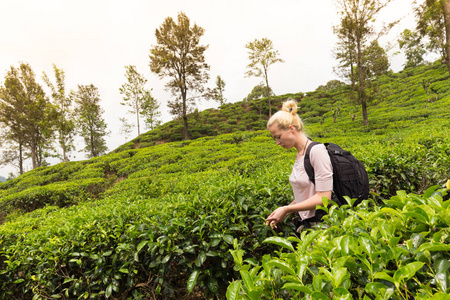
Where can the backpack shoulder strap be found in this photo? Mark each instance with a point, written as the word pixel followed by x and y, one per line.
pixel 307 162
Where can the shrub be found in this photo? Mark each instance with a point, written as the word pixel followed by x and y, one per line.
pixel 365 253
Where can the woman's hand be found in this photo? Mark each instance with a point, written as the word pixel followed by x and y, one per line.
pixel 276 216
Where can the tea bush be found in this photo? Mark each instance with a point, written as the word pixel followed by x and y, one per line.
pixel 111 246
pixel 167 227
pixel 157 220
pixel 58 193
pixel 398 251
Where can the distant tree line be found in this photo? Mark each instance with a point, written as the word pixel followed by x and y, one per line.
pixel 32 122
pixel 362 59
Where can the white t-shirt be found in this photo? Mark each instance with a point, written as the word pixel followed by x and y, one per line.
pixel 302 187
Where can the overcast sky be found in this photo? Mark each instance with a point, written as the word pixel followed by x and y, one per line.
pixel 93 41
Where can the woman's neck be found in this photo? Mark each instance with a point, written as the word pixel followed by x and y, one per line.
pixel 301 144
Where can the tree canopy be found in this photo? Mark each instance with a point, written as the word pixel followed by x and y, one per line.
pixel 138 98
pixel 65 125
pixel 433 22
pixel 358 52
pixel 262 55
pixel 92 126
pixel 27 115
pixel 179 56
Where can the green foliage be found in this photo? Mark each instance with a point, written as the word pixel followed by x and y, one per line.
pixel 64 124
pixel 431 24
pixel 179 56
pixel 178 213
pixel 259 91
pixel 262 55
pixel 397 251
pixel 92 126
pixel 136 96
pixel 22 100
pixel 58 193
pixel 216 93
pixel 413 48
pixel 184 217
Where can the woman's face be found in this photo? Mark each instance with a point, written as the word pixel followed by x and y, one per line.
pixel 284 137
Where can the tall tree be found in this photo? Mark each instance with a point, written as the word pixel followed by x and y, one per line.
pixel 345 51
pixel 179 56
pixel 28 114
pixel 65 124
pixel 433 22
pixel 139 98
pixel 216 93
pixel 92 126
pixel 375 60
pixel 357 38
pixel 262 55
pixel 410 42
pixel 258 92
pixel 126 128
pixel 13 153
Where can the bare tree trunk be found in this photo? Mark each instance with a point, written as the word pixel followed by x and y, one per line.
pixel 33 149
pixel 136 107
pixel 20 159
pixel 446 8
pixel 268 94
pixel 362 85
pixel 185 119
pixel 93 150
pixel 63 146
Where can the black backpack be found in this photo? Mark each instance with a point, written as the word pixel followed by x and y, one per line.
pixel 349 175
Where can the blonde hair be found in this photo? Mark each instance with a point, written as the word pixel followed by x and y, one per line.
pixel 287 116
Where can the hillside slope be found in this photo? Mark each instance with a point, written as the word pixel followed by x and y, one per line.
pixel 396 99
pixel 158 221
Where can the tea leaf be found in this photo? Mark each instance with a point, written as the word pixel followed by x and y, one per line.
pixel 347 243
pixel 317 283
pixel 141 245
pixel 384 276
pixel 339 276
pixel 406 272
pixel 442 280
pixel 433 246
pixel 109 290
pixel 280 242
pixel 213 285
pixel 228 238
pixel 200 259
pixel 297 286
pixel 440 296
pixel 192 281
pixel 282 265
pixel 342 293
pixel 233 290
pixel 441 265
pixel 319 296
pixel 379 289
pixel 247 279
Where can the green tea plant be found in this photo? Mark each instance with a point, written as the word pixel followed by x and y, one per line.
pixel 157 219
pixel 399 251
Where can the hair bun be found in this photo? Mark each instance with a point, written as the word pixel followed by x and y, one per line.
pixel 287 116
pixel 290 106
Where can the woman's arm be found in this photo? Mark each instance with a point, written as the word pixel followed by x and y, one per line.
pixel 280 213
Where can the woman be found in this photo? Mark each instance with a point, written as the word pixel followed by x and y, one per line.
pixel 286 128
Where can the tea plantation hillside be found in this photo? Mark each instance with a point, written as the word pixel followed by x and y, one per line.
pixel 156 219
pixel 397 100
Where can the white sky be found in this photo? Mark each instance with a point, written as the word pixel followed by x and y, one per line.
pixel 93 41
